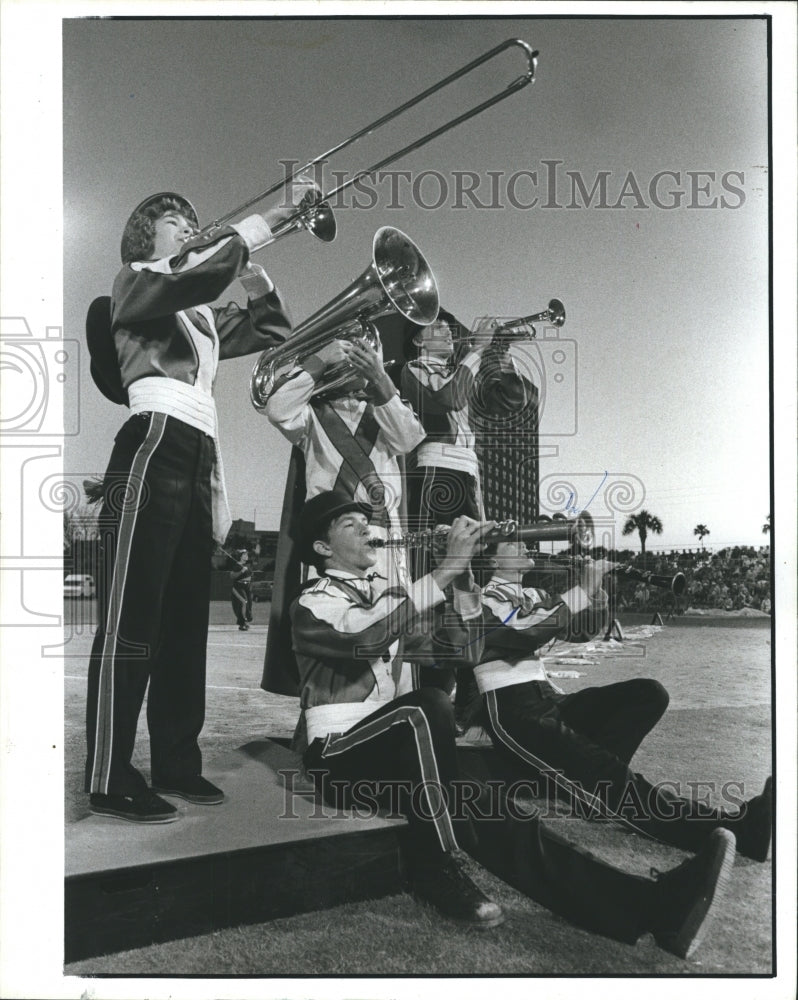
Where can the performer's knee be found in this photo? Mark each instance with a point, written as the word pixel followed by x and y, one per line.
pixel 656 695
pixel 437 707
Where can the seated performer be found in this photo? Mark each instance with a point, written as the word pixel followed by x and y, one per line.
pixel 163 493
pixel 363 735
pixel 583 743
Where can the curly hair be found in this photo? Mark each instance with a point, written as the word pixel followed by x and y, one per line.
pixel 138 238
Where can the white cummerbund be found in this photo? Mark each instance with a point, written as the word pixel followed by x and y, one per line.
pixel 185 402
pixel 325 719
pixel 500 674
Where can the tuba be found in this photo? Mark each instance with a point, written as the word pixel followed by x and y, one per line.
pixel 399 279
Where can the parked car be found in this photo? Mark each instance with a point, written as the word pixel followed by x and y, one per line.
pixel 79 585
pixel 261 586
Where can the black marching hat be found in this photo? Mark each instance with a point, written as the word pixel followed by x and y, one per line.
pixel 317 514
pixel 104 361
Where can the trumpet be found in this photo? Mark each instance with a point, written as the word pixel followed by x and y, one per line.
pixel 315 214
pixel 516 329
pixel 578 531
pixel 399 279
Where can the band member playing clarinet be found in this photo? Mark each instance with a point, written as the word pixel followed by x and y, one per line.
pixel 363 733
pixel 582 744
pixel 163 492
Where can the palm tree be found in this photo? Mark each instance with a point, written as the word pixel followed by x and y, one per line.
pixel 766 526
pixel 701 530
pixel 642 523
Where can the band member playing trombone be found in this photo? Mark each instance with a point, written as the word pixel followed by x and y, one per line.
pixel 581 744
pixel 156 347
pixel 369 741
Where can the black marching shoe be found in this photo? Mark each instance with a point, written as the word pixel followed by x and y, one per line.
pixel 443 884
pixel 146 807
pixel 688 897
pixel 754 826
pixel 194 788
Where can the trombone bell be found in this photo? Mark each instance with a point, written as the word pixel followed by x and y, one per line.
pixel 313 215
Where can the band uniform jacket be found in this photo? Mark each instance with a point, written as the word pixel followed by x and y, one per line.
pixel 349 443
pixel 520 620
pixel 162 325
pixel 444 395
pixel 351 638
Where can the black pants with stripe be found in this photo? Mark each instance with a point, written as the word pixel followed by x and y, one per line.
pixel 579 747
pixel 153 605
pixel 403 758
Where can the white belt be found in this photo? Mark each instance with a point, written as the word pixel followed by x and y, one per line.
pixel 194 407
pixel 499 674
pixel 337 718
pixel 448 456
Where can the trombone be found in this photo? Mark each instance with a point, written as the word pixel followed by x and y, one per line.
pixel 314 213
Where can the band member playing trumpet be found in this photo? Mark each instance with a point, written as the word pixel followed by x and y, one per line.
pixel 582 744
pixel 444 480
pixel 364 734
pixel 163 492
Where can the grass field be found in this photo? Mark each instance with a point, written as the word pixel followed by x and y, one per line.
pixel 717 729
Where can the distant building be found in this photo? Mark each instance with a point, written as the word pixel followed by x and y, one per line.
pixel 509 462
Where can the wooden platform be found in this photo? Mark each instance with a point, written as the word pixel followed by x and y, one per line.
pixel 263 853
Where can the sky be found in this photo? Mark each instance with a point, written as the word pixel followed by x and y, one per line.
pixel 664 275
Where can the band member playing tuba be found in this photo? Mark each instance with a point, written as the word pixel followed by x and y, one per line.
pixel 164 500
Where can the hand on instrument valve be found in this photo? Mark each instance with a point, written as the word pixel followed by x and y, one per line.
pixel 301 192
pixel 367 362
pixel 334 353
pixel 482 334
pixel 463 542
pixel 592 572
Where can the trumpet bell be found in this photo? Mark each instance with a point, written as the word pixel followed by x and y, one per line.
pixel 556 312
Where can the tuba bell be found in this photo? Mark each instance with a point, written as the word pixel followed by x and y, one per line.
pixel 399 279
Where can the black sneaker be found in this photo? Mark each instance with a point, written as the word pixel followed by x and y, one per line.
pixel 194 788
pixel 444 885
pixel 754 826
pixel 687 897
pixel 147 807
